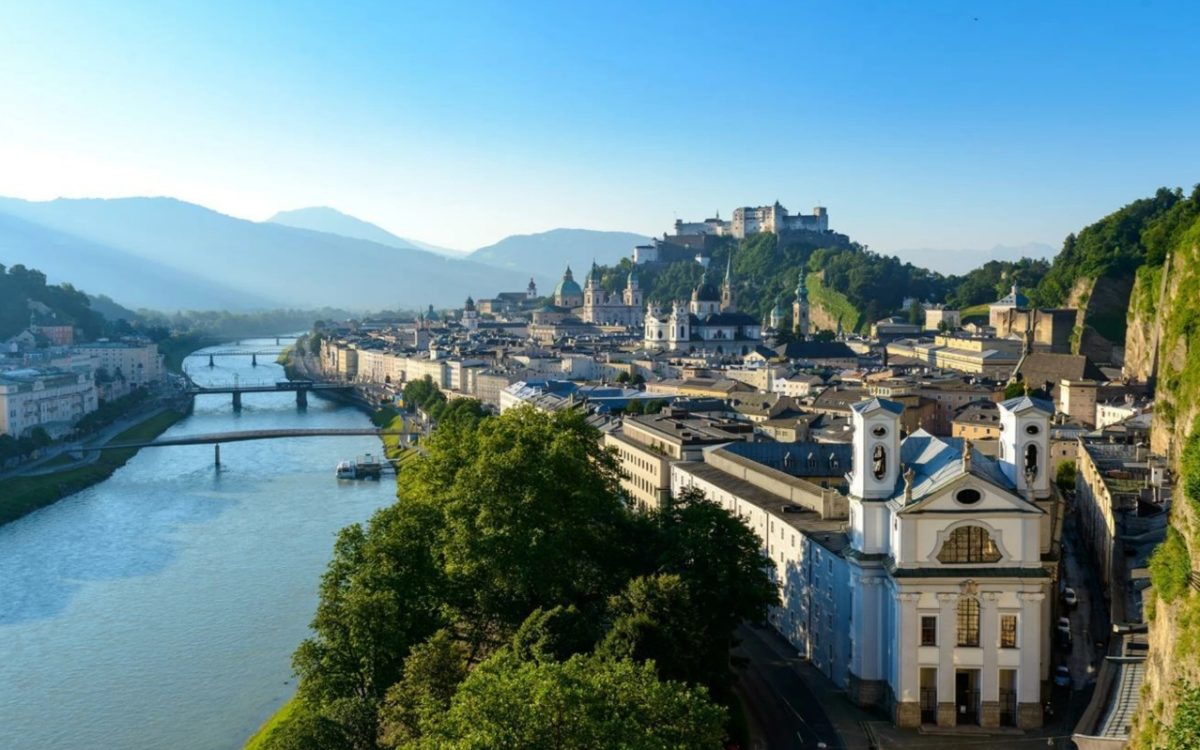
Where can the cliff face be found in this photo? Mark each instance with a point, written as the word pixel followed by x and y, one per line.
pixel 1100 325
pixel 1164 315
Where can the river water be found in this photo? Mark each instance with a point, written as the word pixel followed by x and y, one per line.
pixel 160 608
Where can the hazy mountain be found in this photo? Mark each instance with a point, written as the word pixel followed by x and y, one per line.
pixel 325 219
pixel 279 264
pixel 961 261
pixel 108 271
pixel 544 255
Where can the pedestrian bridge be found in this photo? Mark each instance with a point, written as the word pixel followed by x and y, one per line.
pixel 216 438
pixel 300 387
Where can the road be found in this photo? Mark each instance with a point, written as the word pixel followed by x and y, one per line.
pixel 783 712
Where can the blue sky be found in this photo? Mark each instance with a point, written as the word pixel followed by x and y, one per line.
pixel 922 124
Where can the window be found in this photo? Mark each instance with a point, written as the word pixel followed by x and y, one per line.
pixel 969 544
pixel 968 621
pixel 1008 631
pixel 928 630
pixel 879 462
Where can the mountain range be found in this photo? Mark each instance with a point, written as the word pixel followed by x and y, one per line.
pixel 167 254
pixel 332 221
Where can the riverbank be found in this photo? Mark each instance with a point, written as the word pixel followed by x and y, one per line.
pixel 22 495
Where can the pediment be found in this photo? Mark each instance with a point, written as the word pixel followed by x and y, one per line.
pixel 957 496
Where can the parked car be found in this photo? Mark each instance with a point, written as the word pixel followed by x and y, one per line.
pixel 1069 598
pixel 1063 632
pixel 1062 676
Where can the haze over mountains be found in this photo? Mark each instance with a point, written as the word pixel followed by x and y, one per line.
pixel 332 221
pixel 949 262
pixel 167 254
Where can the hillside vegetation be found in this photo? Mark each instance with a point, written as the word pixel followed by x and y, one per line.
pixel 853 283
pixel 1163 340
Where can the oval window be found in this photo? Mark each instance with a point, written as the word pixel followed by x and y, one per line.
pixel 968 496
pixel 879 431
pixel 1032 429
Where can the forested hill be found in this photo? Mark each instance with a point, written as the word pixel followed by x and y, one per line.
pixel 1097 269
pixel 766 270
pixel 25 297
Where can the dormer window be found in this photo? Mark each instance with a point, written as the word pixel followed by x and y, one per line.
pixel 969 544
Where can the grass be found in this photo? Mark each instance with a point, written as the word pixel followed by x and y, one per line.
pixel 975 311
pixel 258 740
pixel 20 496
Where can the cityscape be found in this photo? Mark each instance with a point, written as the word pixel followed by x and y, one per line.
pixel 281 478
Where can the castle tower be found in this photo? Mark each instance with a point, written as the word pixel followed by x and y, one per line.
pixel 728 297
pixel 1025 444
pixel 800 322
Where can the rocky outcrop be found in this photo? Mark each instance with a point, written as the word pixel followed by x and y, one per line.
pixel 1100 324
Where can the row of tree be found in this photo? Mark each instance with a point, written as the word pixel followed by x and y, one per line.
pixel 511 599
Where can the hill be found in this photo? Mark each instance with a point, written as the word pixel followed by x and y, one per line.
pixel 137 281
pixel 546 254
pixel 332 221
pixel 266 263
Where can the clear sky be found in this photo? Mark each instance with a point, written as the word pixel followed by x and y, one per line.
pixel 919 124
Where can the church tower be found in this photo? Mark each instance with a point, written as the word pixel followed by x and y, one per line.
pixel 1025 444
pixel 800 322
pixel 531 290
pixel 470 316
pixel 728 297
pixel 633 295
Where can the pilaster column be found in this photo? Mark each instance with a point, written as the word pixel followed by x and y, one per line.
pixel 989 676
pixel 908 689
pixel 947 642
pixel 1029 680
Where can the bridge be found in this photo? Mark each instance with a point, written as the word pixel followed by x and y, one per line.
pixel 216 438
pixel 254 355
pixel 300 387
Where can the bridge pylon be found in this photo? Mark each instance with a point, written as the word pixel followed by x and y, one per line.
pixel 210 361
pixel 237 400
pixel 254 359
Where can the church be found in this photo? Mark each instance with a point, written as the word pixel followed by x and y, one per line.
pixel 921 580
pixel 950 569
pixel 601 308
pixel 709 322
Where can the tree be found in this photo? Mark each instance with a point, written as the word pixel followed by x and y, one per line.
pixel 720 561
pixel 558 633
pixel 381 595
pixel 655 619
pixel 1014 389
pixel 531 516
pixel 1064 477
pixel 432 674
pixel 584 702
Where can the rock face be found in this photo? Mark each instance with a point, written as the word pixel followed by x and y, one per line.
pixel 1100 324
pixel 1163 344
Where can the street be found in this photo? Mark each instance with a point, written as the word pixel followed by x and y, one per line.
pixel 782 711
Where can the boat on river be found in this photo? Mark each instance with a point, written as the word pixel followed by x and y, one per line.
pixel 363 467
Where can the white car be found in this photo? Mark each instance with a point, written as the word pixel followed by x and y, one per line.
pixel 1069 598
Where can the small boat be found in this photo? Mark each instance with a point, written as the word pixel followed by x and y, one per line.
pixel 363 467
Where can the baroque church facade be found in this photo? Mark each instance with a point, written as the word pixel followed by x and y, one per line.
pixel 602 308
pixel 710 321
pixel 948 570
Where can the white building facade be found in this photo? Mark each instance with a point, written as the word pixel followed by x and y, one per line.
pixel 44 398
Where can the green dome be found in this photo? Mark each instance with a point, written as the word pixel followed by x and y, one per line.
pixel 567 287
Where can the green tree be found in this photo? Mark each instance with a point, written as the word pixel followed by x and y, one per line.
pixel 586 702
pixel 1184 732
pixel 432 674
pixel 531 516
pixel 557 633
pixel 720 561
pixel 1064 477
pixel 655 619
pixel 381 595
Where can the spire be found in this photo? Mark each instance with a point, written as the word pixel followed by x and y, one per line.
pixel 728 269
pixel 801 286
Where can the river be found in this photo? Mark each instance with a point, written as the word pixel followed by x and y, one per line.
pixel 159 609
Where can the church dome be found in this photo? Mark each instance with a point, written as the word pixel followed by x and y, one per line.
pixel 706 292
pixel 568 287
